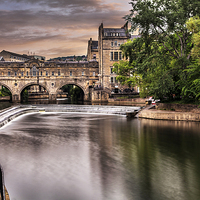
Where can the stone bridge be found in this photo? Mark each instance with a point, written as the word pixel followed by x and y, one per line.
pixel 16 76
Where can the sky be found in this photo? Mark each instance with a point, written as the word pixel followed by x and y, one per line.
pixel 54 28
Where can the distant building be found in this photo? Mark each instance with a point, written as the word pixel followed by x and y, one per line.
pixel 92 53
pixel 38 57
pixel 70 58
pixel 13 57
pixel 109 41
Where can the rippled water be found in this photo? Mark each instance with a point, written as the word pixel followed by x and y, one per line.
pixel 73 156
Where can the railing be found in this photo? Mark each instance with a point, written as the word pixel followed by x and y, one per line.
pixel 2 190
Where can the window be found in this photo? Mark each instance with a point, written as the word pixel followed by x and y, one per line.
pixel 41 73
pixel 82 73
pixel 46 73
pixel 93 73
pixel 8 73
pixel 117 34
pixel 111 44
pixel 58 72
pixel 70 73
pixel 26 73
pixel 94 56
pixel 113 34
pixel 22 73
pixel 120 55
pixel 52 73
pixel 111 80
pixel 34 70
pixel 115 55
pixel 111 55
pixel 15 73
pixel 111 70
pixel 105 34
pixel 115 43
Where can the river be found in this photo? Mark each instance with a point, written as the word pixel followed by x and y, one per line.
pixel 73 156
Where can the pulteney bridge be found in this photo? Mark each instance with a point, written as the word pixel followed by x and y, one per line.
pixel 16 76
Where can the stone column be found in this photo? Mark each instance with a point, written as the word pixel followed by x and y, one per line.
pixel 52 98
pixel 16 98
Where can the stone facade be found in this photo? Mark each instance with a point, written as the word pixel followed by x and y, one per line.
pixel 92 53
pixel 16 76
pixel 109 41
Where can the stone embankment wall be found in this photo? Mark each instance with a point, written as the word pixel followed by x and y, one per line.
pixel 132 101
pixel 169 115
pixel 178 107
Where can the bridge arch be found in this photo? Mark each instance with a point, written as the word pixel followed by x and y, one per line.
pixel 8 87
pixel 25 95
pixel 30 84
pixel 71 83
pixel 81 94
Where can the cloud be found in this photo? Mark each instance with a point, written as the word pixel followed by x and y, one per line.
pixel 41 25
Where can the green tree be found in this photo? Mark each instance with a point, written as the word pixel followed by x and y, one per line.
pixel 162 54
pixel 193 25
pixel 192 89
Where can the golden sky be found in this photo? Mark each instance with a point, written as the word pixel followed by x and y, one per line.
pixel 53 28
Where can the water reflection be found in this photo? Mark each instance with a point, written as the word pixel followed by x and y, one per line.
pixel 83 156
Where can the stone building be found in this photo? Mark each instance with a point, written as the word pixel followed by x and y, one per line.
pixel 92 53
pixel 13 57
pixel 109 41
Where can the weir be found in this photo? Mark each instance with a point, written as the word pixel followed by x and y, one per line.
pixel 9 114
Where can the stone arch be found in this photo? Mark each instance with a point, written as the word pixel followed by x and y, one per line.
pixel 1 83
pixel 71 83
pixel 32 83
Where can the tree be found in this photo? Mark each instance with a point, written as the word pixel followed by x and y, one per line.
pixel 192 88
pixel 193 25
pixel 163 52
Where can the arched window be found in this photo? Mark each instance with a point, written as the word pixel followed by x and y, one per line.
pixel 34 70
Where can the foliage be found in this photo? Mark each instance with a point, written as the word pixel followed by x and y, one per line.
pixel 76 94
pixel 161 57
pixel 67 88
pixel 5 92
pixel 125 73
pixel 193 25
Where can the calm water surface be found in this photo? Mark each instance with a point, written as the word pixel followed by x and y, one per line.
pixel 73 156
